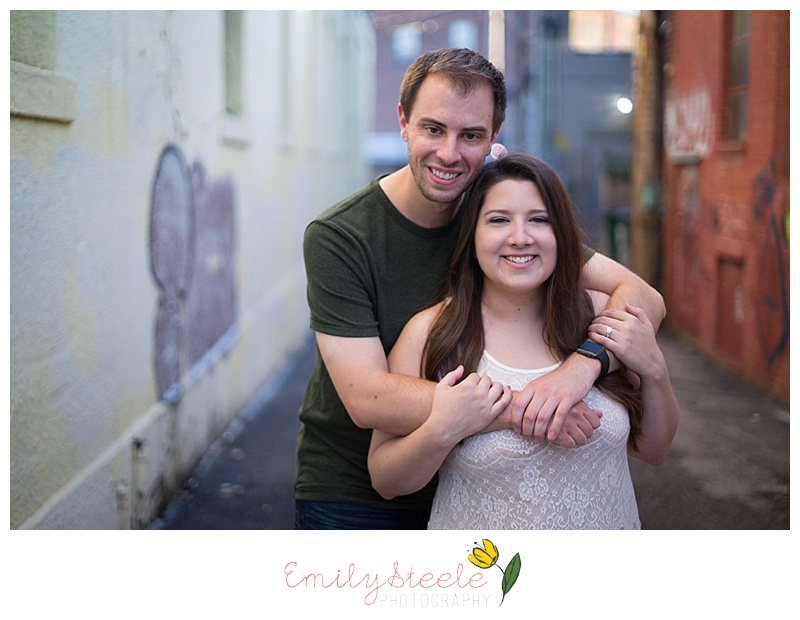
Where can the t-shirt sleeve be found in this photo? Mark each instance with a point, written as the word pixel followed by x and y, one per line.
pixel 341 297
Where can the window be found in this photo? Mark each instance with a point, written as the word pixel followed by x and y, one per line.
pixel 33 38
pixel 738 75
pixel 233 63
pixel 462 33
pixel 37 89
pixel 406 43
pixel 603 32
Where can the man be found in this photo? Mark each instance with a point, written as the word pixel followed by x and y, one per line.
pixel 376 258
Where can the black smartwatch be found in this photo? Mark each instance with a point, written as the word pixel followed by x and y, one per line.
pixel 590 348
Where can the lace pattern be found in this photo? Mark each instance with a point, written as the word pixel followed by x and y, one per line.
pixel 502 480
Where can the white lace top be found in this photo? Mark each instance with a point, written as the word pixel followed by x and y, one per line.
pixel 502 480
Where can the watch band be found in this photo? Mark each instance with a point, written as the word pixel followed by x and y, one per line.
pixel 589 348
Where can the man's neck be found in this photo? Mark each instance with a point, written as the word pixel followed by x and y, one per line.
pixel 403 193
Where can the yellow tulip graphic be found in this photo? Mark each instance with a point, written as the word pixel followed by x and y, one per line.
pixel 486 556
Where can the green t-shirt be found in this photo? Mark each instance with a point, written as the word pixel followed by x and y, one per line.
pixel 369 270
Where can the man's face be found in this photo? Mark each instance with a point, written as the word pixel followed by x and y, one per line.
pixel 449 135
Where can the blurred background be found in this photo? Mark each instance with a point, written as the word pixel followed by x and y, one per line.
pixel 164 164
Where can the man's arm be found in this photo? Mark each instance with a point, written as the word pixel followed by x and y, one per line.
pixel 406 356
pixel 388 395
pixel 374 397
pixel 540 409
pixel 603 274
pixel 398 402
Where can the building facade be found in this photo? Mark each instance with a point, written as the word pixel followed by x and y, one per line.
pixel 726 187
pixel 163 168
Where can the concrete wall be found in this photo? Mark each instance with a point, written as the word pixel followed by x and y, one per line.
pixel 727 201
pixel 156 269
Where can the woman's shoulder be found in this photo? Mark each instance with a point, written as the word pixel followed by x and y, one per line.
pixel 406 353
pixel 419 326
pixel 422 321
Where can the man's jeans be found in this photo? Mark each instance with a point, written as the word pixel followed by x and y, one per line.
pixel 310 515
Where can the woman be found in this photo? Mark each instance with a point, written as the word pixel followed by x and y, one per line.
pixel 514 309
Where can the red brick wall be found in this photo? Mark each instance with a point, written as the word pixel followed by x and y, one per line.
pixel 726 254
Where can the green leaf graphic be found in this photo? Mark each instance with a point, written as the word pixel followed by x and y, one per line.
pixel 510 575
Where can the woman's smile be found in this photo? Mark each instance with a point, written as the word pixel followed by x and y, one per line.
pixel 520 260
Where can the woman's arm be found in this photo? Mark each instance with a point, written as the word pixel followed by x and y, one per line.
pixel 633 341
pixel 624 287
pixel 400 465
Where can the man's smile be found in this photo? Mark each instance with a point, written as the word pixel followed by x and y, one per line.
pixel 445 176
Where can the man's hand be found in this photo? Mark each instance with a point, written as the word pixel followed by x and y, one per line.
pixel 542 407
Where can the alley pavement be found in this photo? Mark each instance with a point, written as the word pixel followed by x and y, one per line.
pixel 728 467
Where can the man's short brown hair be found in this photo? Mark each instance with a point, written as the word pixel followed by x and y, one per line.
pixel 463 67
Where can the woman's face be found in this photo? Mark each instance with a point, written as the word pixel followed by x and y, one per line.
pixel 514 241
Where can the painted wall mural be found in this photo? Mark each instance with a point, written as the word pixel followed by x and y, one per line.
pixel 192 249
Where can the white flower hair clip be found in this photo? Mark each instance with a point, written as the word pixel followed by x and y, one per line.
pixel 498 151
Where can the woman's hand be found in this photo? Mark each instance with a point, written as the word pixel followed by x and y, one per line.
pixel 631 337
pixel 464 408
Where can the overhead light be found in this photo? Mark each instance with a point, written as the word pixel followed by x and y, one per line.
pixel 624 105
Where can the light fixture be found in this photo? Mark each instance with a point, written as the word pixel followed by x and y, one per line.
pixel 624 105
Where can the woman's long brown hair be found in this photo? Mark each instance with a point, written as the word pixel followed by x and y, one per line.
pixel 456 336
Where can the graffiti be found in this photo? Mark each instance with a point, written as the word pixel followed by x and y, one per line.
pixel 689 202
pixel 689 126
pixel 191 254
pixel 773 307
pixel 764 188
pixel 686 259
pixel 689 206
pixel 209 300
